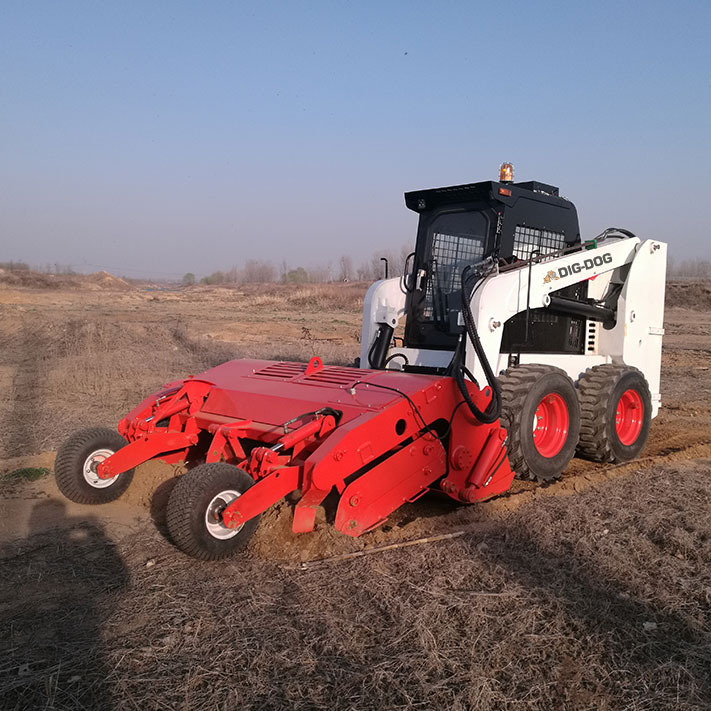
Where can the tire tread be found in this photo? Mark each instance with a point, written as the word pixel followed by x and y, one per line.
pixel 185 499
pixel 69 463
pixel 595 389
pixel 515 384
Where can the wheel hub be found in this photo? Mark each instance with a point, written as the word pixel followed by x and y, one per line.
pixel 550 425
pixel 91 464
pixel 213 515
pixel 629 416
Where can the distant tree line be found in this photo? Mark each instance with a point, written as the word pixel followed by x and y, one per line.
pixel 345 269
pixel 15 266
pixel 55 268
pixel 689 268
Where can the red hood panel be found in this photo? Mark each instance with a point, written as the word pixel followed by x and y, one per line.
pixel 274 392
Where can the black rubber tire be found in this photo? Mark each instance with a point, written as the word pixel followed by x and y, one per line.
pixel 522 389
pixel 188 504
pixel 599 391
pixel 73 455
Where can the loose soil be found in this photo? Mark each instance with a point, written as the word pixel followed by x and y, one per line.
pixel 591 592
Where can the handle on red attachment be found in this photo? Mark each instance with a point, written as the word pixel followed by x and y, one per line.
pixel 315 364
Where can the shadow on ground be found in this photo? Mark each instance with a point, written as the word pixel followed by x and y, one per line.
pixel 57 589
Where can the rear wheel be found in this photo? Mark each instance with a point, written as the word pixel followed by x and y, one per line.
pixel 77 461
pixel 195 506
pixel 616 412
pixel 540 411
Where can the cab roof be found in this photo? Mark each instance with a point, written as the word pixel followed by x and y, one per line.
pixel 487 191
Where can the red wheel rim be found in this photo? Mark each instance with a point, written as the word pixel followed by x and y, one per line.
pixel 629 417
pixel 550 427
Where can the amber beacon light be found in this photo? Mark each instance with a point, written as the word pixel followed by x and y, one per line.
pixel 506 173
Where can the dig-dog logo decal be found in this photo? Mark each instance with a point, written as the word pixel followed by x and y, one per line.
pixel 578 267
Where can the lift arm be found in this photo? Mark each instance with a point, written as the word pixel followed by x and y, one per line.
pixel 632 335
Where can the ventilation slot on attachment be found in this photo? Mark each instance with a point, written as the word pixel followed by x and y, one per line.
pixel 334 376
pixel 282 370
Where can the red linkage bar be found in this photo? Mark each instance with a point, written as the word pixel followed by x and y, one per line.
pixel 261 496
pixel 143 449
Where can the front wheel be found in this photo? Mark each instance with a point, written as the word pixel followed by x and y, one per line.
pixel 77 461
pixel 195 506
pixel 539 409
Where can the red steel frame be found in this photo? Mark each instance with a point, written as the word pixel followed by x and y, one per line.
pixel 377 437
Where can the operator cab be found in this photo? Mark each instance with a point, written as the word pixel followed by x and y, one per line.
pixel 464 224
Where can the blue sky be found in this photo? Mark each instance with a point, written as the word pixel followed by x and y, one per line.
pixel 165 137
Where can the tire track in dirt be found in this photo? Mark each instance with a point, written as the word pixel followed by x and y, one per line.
pixel 668 446
pixel 680 434
pixel 19 425
pixel 433 515
pixel 508 503
pixel 438 515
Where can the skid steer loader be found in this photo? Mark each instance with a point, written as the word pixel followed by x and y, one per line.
pixel 508 345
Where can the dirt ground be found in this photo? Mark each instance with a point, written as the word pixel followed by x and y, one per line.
pixel 592 592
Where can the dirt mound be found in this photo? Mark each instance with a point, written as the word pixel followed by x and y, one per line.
pixel 694 295
pixel 106 281
pixel 27 279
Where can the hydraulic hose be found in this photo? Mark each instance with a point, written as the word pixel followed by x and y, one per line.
pixel 458 367
pixel 377 355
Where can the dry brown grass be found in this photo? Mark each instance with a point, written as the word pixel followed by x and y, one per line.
pixel 601 600
pixel 90 362
pixel 329 297
pixel 596 602
pixel 690 294
pixel 73 373
pixel 34 280
pixel 77 373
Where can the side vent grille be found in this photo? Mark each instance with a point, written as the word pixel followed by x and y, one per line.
pixel 591 341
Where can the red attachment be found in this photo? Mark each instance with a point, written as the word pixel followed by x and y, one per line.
pixel 140 450
pixel 373 436
pixel 262 495
pixel 479 467
pixel 319 426
pixel 629 417
pixel 372 497
pixel 224 436
pixel 491 455
pixel 550 429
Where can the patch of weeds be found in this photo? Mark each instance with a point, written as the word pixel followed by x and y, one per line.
pixel 307 336
pixel 28 473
